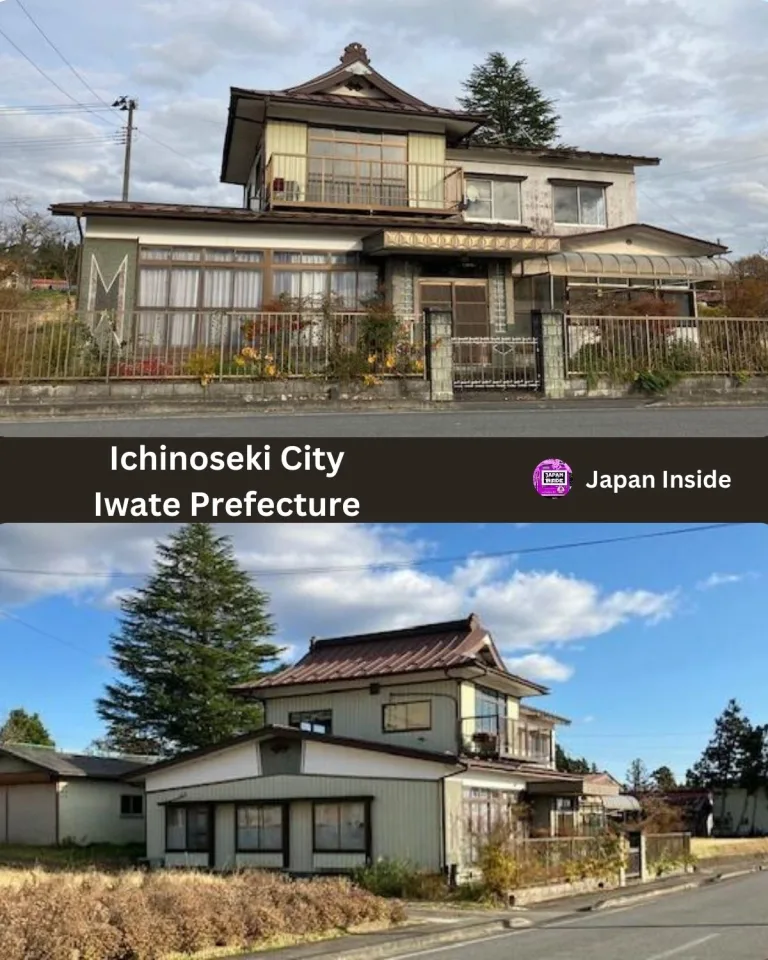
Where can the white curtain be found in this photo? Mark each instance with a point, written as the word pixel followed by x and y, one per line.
pixel 183 293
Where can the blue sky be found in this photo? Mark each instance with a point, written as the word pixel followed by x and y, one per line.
pixel 680 79
pixel 642 643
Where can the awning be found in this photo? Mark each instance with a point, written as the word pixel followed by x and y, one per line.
pixel 474 242
pixel 626 265
pixel 622 804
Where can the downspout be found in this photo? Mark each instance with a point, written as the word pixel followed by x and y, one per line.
pixel 79 221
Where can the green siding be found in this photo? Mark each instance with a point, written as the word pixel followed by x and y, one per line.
pixel 225 836
pixel 405 814
pixel 358 713
pixel 109 256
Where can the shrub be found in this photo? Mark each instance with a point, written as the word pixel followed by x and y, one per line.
pixel 140 916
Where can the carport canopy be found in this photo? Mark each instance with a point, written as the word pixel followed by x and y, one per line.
pixel 622 804
pixel 626 265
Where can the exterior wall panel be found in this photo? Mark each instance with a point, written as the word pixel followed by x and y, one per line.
pixel 31 814
pixel 286 152
pixel 426 174
pixel 89 812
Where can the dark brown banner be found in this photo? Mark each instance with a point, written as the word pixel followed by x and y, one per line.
pixel 383 480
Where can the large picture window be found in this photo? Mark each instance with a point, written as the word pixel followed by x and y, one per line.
pixel 357 168
pixel 341 827
pixel 187 829
pixel 580 203
pixel 260 828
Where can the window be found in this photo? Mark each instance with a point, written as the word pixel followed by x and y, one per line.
pixel 580 203
pixel 357 167
pixel 131 805
pixel 260 828
pixel 491 710
pixel 313 721
pixel 341 827
pixel 399 717
pixel 187 829
pixel 493 199
pixel 312 277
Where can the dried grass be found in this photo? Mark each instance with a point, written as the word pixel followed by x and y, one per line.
pixel 707 849
pixel 152 916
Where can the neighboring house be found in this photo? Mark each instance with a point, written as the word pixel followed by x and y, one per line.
pixel 738 813
pixel 404 744
pixel 48 797
pixel 352 185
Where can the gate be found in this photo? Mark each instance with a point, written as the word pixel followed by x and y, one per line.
pixel 634 868
pixel 496 363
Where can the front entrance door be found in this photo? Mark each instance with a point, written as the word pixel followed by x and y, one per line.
pixel 466 299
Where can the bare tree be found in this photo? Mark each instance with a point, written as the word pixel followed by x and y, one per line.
pixel 32 241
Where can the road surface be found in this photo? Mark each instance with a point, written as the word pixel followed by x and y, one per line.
pixel 725 921
pixel 462 420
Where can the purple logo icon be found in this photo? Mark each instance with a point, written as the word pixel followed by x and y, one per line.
pixel 552 478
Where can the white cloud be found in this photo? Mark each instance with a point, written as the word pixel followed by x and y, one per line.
pixel 715 580
pixel 690 93
pixel 344 588
pixel 540 666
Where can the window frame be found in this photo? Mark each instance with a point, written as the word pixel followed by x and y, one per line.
pixel 405 703
pixel 341 802
pixel 131 814
pixel 578 185
pixel 292 720
pixel 493 180
pixel 284 827
pixel 186 807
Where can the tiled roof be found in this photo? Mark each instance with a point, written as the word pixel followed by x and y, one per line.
pixel 74 764
pixel 434 646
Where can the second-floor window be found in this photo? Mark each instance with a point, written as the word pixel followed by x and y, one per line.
pixel 579 203
pixel 313 721
pixel 403 717
pixel 357 167
pixel 493 199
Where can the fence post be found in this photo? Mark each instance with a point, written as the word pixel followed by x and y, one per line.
pixel 644 872
pixel 439 325
pixel 550 330
pixel 624 856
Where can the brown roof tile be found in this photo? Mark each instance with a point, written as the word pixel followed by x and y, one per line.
pixel 434 646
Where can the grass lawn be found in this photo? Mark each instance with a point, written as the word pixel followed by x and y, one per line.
pixel 708 849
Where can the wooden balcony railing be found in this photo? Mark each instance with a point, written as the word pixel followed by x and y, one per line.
pixel 293 180
pixel 493 737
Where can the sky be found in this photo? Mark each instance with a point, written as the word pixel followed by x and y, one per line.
pixel 641 642
pixel 683 80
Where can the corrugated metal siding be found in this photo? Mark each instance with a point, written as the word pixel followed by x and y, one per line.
pixel 289 142
pixel 89 811
pixel 31 814
pixel 426 186
pixel 415 836
pixel 358 713
pixel 3 808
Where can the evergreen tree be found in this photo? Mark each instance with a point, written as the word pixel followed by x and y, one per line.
pixel 193 631
pixel 638 778
pixel 664 780
pixel 721 764
pixel 23 727
pixel 518 113
pixel 566 764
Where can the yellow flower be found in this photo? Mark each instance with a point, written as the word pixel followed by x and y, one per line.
pixel 419 366
pixel 271 370
pixel 390 362
pixel 250 353
pixel 371 360
pixel 239 361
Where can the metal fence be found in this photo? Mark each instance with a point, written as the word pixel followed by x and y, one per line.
pixel 496 363
pixel 207 346
pixel 617 347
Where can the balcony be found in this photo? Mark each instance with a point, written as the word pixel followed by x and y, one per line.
pixel 495 738
pixel 330 183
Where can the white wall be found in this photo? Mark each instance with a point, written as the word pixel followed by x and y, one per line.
pixel 89 812
pixel 234 763
pixel 739 814
pixel 30 814
pixel 334 761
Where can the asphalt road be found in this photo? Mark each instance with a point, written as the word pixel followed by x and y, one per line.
pixel 464 420
pixel 726 921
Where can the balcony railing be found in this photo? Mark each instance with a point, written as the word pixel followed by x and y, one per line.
pixel 490 738
pixel 293 180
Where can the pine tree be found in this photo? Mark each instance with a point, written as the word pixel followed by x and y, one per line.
pixel 567 764
pixel 638 779
pixel 722 763
pixel 194 630
pixel 518 113
pixel 664 780
pixel 23 727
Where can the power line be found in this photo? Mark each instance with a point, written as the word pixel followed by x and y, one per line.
pixel 50 79
pixel 53 46
pixel 404 564
pixel 52 108
pixel 45 633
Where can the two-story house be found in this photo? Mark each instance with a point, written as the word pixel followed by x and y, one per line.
pixel 407 744
pixel 352 186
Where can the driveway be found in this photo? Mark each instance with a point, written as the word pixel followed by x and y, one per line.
pixel 725 921
pixel 586 419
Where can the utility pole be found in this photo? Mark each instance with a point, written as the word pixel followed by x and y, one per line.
pixel 129 105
